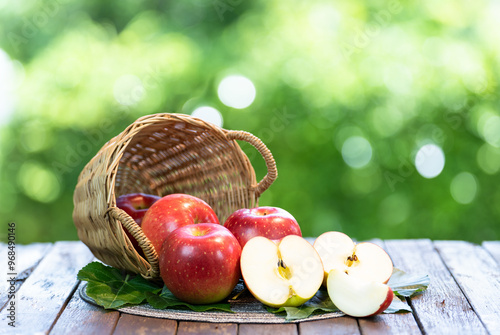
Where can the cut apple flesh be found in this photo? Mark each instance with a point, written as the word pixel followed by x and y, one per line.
pixel 286 273
pixel 372 263
pixel 364 260
pixel 357 297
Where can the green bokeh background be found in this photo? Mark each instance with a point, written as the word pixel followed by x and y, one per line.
pixel 399 74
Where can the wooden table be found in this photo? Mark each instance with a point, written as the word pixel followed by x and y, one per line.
pixel 463 298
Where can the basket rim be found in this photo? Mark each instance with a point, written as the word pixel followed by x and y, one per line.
pixel 118 146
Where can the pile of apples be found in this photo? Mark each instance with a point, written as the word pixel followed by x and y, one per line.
pixel 201 260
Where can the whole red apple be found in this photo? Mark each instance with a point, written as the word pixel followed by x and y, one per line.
pixel 174 211
pixel 200 263
pixel 136 205
pixel 271 222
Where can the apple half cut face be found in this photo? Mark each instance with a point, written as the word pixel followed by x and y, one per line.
pixel 357 297
pixel 286 273
pixel 364 260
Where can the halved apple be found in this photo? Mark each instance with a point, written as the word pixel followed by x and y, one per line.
pixel 364 260
pixel 286 273
pixel 357 297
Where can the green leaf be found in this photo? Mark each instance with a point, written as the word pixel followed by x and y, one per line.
pixel 397 306
pixel 293 313
pixel 97 271
pixel 166 293
pixel 318 304
pixel 111 290
pixel 408 285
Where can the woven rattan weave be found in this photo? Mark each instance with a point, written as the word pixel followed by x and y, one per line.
pixel 162 154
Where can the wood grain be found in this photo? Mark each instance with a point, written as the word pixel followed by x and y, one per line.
pixel 493 248
pixel 96 320
pixel 442 308
pixel 134 324
pixel 478 275
pixel 268 329
pixel 27 258
pixel 389 324
pixel 463 298
pixel 403 323
pixel 344 325
pixel 45 292
pixel 207 328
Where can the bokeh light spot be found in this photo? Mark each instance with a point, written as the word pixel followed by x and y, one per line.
pixel 360 182
pixel 11 76
pixel 297 73
pixel 356 152
pixel 208 114
pixel 491 130
pixel 69 72
pixel 128 90
pixel 398 79
pixel 463 188
pixel 38 182
pixel 394 209
pixel 236 91
pixel 488 158
pixel 429 161
pixel 386 120
pixel 36 136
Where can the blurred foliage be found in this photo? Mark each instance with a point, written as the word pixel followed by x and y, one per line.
pixel 399 74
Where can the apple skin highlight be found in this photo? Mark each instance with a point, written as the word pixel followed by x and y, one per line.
pixel 271 222
pixel 200 263
pixel 136 205
pixel 174 211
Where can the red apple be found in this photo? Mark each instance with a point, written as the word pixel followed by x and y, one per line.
pixel 136 205
pixel 200 263
pixel 271 222
pixel 174 211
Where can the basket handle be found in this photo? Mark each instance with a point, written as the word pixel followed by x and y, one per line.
pixel 272 172
pixel 134 229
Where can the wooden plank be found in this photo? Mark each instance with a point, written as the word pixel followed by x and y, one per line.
pixel 81 317
pixel 207 328
pixel 268 329
pixel 134 324
pixel 442 308
pixel 27 258
pixel 478 275
pixel 493 248
pixel 389 323
pixel 45 292
pixel 340 326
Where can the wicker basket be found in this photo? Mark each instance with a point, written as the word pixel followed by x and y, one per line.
pixel 162 154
